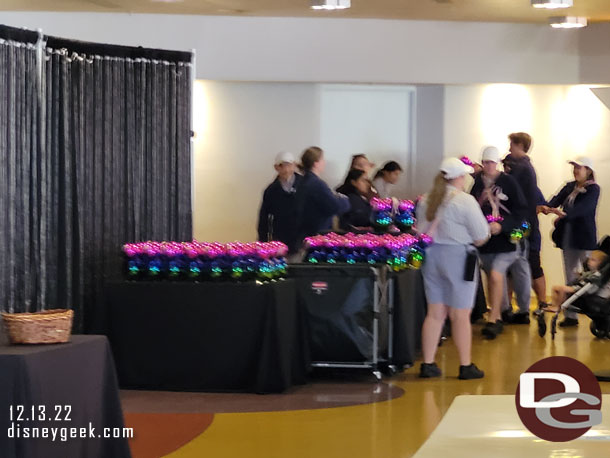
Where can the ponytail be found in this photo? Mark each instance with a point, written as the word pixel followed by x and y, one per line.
pixel 436 196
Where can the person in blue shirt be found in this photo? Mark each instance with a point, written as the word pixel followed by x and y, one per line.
pixel 277 215
pixel 575 230
pixel 316 203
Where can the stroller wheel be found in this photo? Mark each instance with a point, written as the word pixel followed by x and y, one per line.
pixel 599 333
pixel 541 325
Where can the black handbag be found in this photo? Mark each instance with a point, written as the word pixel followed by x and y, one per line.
pixel 558 232
pixel 470 267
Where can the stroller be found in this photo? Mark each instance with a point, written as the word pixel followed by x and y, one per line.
pixel 587 300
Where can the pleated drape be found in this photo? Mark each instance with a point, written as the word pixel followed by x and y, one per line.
pixel 103 158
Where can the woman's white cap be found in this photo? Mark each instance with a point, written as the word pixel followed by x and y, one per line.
pixel 490 153
pixel 284 156
pixel 582 161
pixel 452 167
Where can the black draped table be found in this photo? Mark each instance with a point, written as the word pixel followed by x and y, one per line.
pixel 206 336
pixel 409 314
pixel 61 391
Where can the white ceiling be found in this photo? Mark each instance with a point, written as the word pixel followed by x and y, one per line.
pixel 451 10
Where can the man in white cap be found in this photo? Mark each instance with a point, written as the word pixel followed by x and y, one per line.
pixel 505 208
pixel 278 216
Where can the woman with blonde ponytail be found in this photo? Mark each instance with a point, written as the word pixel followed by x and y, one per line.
pixel 456 223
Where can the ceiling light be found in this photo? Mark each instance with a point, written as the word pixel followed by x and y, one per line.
pixel 567 22
pixel 330 4
pixel 552 4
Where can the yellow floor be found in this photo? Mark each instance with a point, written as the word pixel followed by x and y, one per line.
pixel 399 427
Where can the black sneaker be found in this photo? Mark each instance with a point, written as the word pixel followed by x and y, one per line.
pixel 491 330
pixel 521 318
pixel 470 372
pixel 429 370
pixel 568 323
pixel 507 316
pixel 500 326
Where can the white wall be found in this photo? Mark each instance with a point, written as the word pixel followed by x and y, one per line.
pixel 367 119
pixel 564 121
pixel 337 50
pixel 240 127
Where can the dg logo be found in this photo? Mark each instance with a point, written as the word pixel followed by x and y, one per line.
pixel 559 399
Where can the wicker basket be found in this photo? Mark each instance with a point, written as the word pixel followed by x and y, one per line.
pixel 46 327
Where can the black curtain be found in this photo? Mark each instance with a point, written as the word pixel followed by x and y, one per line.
pixel 113 166
pixel 21 201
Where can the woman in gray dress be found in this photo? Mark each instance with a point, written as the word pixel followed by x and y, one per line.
pixel 455 221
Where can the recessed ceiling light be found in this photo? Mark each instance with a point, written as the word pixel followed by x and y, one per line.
pixel 330 4
pixel 552 4
pixel 567 22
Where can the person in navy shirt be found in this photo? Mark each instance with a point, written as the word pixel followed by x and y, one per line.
pixel 502 201
pixel 356 188
pixel 518 165
pixel 277 215
pixel 316 203
pixel 575 230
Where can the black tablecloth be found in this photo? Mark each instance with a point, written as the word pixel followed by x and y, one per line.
pixel 206 336
pixel 409 314
pixel 79 374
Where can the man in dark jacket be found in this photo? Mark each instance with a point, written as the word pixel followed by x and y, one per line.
pixel 277 218
pixel 519 166
pixel 503 203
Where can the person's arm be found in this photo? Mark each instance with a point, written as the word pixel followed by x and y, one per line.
pixel 329 203
pixel 263 217
pixel 559 198
pixel 585 205
pixel 475 222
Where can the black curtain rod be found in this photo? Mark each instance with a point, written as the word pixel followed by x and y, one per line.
pixel 17 34
pixel 87 48
pixel 91 49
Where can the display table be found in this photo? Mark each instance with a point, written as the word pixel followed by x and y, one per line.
pixel 80 375
pixel 409 314
pixel 206 336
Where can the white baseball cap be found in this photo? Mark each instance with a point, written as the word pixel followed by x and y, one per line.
pixel 452 167
pixel 284 156
pixel 582 161
pixel 490 153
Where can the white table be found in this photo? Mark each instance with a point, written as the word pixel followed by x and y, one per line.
pixel 489 426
